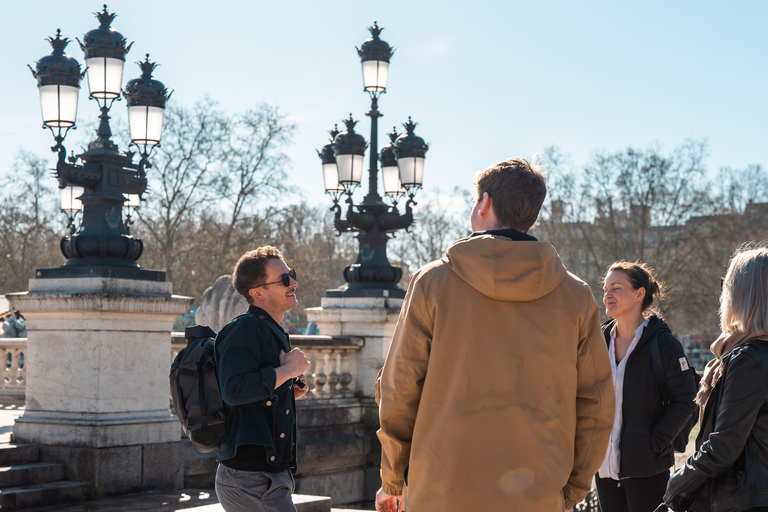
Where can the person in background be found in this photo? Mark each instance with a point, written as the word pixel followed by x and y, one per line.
pixel 634 473
pixel 729 471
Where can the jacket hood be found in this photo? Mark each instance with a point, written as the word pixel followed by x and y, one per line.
pixel 502 269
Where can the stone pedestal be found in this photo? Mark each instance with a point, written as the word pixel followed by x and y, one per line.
pixel 97 395
pixel 337 441
pixel 373 318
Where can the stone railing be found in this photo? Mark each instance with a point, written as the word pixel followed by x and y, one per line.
pixel 334 363
pixel 13 380
pixel 333 371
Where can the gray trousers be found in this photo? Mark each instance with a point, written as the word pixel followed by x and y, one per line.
pixel 254 491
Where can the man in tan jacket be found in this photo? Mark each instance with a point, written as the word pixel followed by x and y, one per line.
pixel 496 394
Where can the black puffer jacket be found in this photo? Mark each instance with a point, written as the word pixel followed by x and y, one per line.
pixel 648 426
pixel 729 471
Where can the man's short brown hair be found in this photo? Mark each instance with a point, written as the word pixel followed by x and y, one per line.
pixel 518 189
pixel 250 270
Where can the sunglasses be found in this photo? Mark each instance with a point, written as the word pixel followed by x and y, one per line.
pixel 285 279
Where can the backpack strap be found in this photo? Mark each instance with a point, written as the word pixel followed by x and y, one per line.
pixel 198 331
pixel 279 334
pixel 658 369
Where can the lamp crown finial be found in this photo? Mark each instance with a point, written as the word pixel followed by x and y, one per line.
pixel 410 126
pixel 58 43
pixel 375 30
pixel 350 123
pixel 105 18
pixel 394 135
pixel 334 132
pixel 147 67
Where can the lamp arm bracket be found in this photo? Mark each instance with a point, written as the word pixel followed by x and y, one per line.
pixel 393 222
pixel 362 221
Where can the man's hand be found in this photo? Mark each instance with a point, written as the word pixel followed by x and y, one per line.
pixel 292 364
pixel 387 503
pixel 295 362
pixel 300 391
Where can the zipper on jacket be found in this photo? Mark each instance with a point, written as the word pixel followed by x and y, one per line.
pixel 623 419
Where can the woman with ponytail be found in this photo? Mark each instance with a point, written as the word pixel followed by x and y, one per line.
pixel 635 471
pixel 729 471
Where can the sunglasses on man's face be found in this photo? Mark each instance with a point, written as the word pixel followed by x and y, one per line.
pixel 285 279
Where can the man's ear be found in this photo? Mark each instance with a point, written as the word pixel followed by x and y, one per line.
pixel 487 205
pixel 255 294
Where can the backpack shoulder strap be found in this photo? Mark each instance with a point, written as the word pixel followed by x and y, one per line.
pixel 279 334
pixel 198 331
pixel 658 368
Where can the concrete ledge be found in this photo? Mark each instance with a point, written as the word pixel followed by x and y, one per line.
pixel 99 284
pixel 344 486
pixel 95 430
pixel 122 469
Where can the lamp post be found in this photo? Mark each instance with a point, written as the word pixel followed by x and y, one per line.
pixel 98 183
pixel 402 163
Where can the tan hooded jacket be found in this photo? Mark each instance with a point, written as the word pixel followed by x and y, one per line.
pixel 496 394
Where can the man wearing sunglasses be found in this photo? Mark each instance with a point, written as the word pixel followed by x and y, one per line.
pixel 260 377
pixel 496 394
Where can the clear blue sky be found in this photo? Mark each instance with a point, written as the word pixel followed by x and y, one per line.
pixel 485 80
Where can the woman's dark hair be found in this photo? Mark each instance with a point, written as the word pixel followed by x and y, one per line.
pixel 640 275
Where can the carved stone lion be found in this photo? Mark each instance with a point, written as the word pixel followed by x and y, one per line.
pixel 220 304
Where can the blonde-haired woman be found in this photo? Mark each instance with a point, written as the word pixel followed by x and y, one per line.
pixel 729 471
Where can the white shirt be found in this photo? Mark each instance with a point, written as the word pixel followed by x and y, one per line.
pixel 610 466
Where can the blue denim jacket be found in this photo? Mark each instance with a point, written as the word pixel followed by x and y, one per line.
pixel 247 352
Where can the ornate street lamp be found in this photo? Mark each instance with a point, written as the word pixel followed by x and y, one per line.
pixel 99 182
pixel 390 172
pixel 146 108
pixel 402 162
pixel 330 171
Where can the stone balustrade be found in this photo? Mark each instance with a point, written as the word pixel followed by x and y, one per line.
pixel 334 365
pixel 333 372
pixel 13 380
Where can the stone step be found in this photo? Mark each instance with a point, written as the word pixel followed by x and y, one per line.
pixel 309 503
pixel 16 453
pixel 196 463
pixel 42 494
pixel 30 473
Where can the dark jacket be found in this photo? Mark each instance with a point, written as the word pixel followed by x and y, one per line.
pixel 247 353
pixel 729 471
pixel 648 426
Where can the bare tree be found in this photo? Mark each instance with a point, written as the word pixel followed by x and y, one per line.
pixel 440 220
pixel 180 182
pixel 633 205
pixel 30 224
pixel 211 189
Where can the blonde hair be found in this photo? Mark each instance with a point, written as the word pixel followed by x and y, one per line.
pixel 744 297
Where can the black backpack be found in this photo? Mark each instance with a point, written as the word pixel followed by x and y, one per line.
pixel 681 441
pixel 195 390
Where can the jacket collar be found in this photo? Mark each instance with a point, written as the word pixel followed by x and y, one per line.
pixel 655 324
pixel 258 312
pixel 515 235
